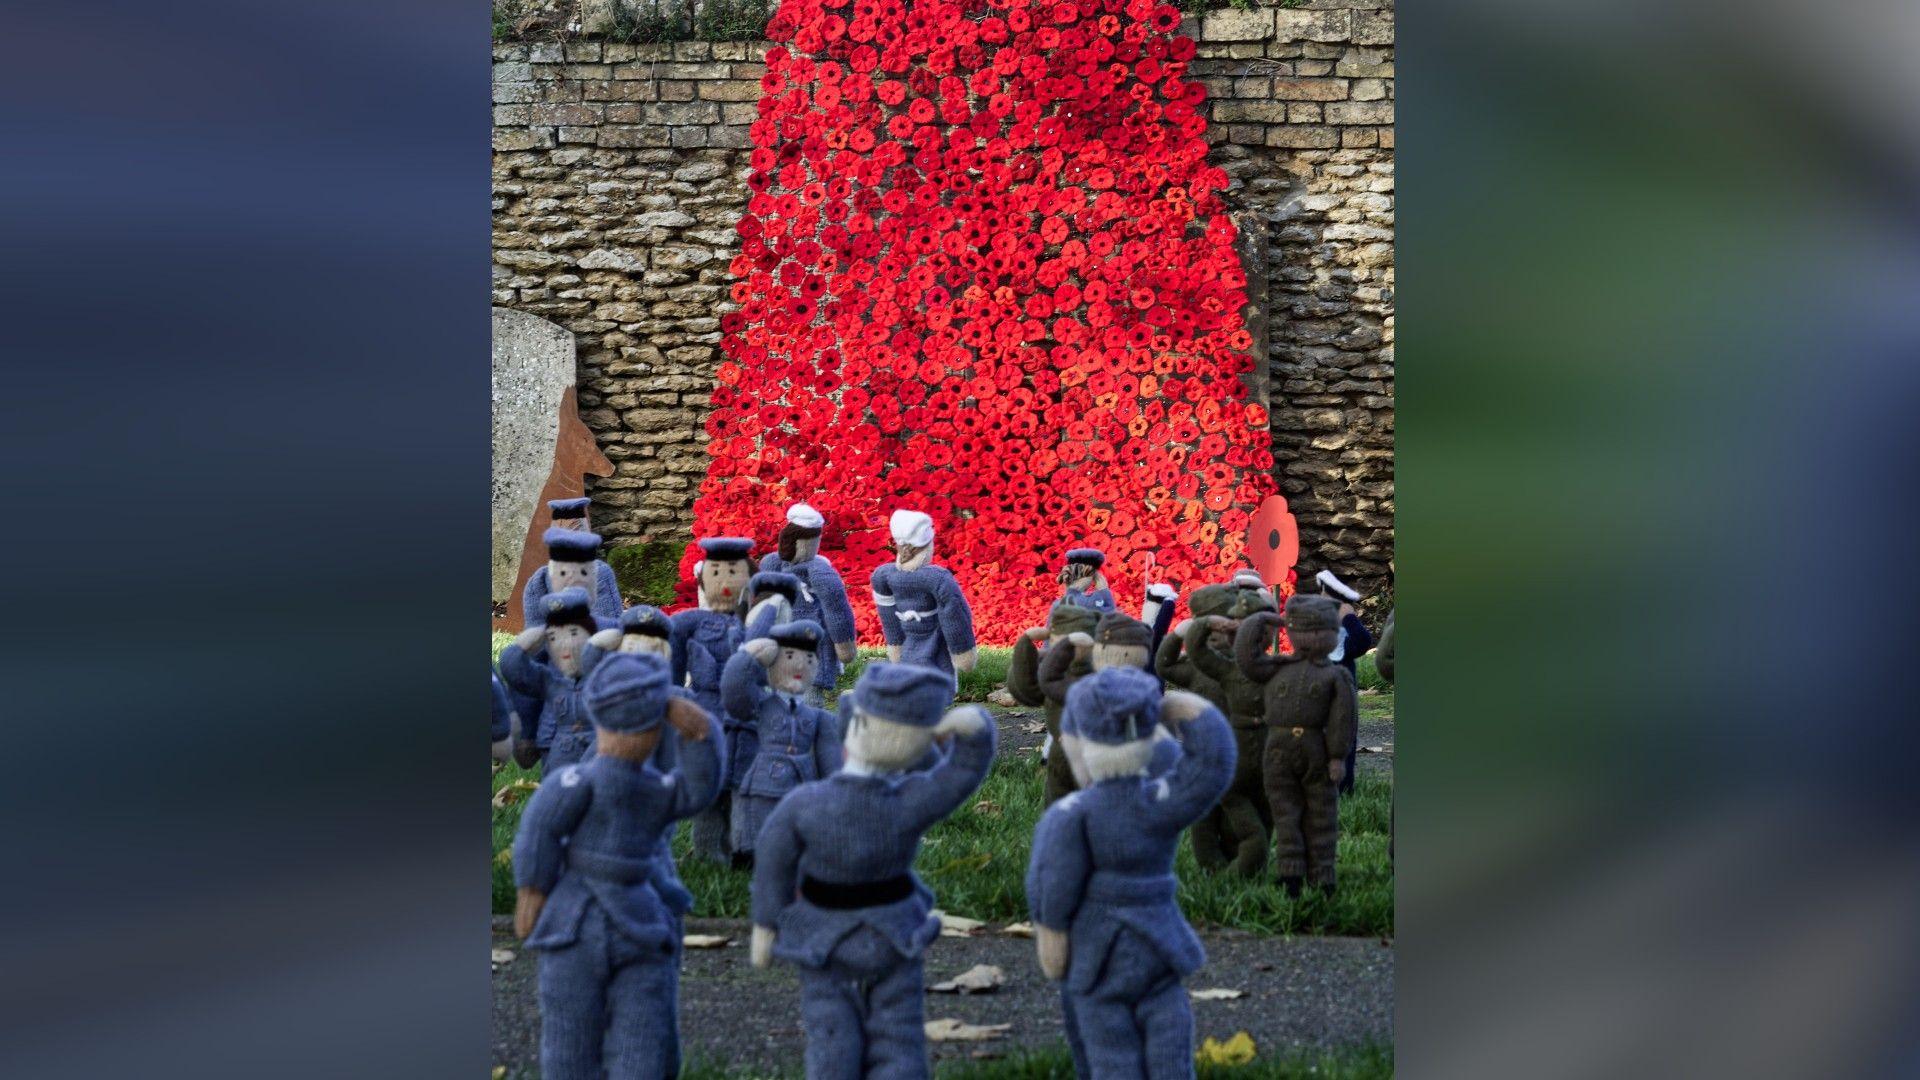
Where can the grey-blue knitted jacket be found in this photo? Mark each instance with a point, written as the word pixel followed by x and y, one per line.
pixel 591 834
pixel 924 612
pixel 703 642
pixel 561 707
pixel 798 742
pixel 606 596
pixel 853 829
pixel 1103 856
pixel 828 606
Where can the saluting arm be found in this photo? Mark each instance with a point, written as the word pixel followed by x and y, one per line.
pixel 1250 647
pixel 928 796
pixel 1205 769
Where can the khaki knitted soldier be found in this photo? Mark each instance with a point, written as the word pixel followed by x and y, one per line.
pixel 1236 830
pixel 1311 714
pixel 1118 640
pixel 1023 682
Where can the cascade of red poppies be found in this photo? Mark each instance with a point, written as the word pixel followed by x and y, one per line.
pixel 986 273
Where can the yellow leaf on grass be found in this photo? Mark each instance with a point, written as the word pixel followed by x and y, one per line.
pixel 513 793
pixel 1237 1050
pixel 504 858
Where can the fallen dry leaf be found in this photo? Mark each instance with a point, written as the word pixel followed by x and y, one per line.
pixel 978 979
pixel 957 925
pixel 947 1029
pixel 513 793
pixel 987 808
pixel 1001 697
pixel 502 956
pixel 1387 749
pixel 1235 1051
pixel 1218 993
pixel 1018 929
pixel 1034 728
pixel 705 941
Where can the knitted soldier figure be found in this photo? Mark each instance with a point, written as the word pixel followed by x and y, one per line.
pixel 1100 884
pixel 1023 681
pixel 823 596
pixel 766 684
pixel 1349 645
pixel 771 596
pixel 584 860
pixel 1235 831
pixel 1118 640
pixel 573 560
pixel 1207 641
pixel 505 720
pixel 546 663
pixel 642 629
pixel 1383 653
pixel 703 640
pixel 1081 582
pixel 833 889
pixel 1310 711
pixel 923 614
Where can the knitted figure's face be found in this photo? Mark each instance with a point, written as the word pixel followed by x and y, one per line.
pixel 565 642
pixel 1221 641
pixel 1106 656
pixel 1077 577
pixel 724 584
pixel 636 746
pixel 885 744
pixel 793 670
pixel 578 524
pixel 569 575
pixel 909 557
pixel 1313 642
pixel 645 643
pixel 806 548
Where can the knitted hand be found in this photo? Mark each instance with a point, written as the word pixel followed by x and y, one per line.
pixel 1036 634
pixel 1180 706
pixel 1336 770
pixel 1180 631
pixel 965 661
pixel 1221 622
pixel 765 650
pixel 893 654
pixel 526 910
pixel 1052 945
pixel 687 718
pixel 1080 640
pixel 965 720
pixel 762 950
pixel 532 639
pixel 846 651
pixel 608 640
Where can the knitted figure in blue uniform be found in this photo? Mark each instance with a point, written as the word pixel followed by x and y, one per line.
pixel 766 684
pixel 573 561
pixel 823 596
pixel 833 889
pixel 703 640
pixel 923 613
pixel 505 719
pixel 1100 884
pixel 1082 584
pixel 1157 611
pixel 1350 644
pixel 771 598
pixel 546 663
pixel 585 863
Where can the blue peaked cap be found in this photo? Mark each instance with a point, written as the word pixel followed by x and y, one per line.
pixel 1112 706
pixel 627 692
pixel 904 693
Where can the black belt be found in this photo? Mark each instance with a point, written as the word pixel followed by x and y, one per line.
pixel 864 894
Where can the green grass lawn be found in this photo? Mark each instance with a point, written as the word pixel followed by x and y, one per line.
pixel 1370 1062
pixel 976 860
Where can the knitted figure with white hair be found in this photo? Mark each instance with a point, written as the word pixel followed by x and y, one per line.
pixel 703 640
pixel 1082 583
pixel 823 596
pixel 834 891
pixel 923 613
pixel 1100 883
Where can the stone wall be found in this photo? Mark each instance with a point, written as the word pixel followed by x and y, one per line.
pixel 619 175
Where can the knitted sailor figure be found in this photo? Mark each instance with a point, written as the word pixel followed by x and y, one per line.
pixel 823 596
pixel 923 614
pixel 1349 645
pixel 1236 832
pixel 547 663
pixel 1100 884
pixel 1310 713
pixel 1081 582
pixel 573 559
pixel 1023 681
pixel 1157 611
pixel 1117 640
pixel 703 640
pixel 771 597
pixel 766 684
pixel 585 863
pixel 833 889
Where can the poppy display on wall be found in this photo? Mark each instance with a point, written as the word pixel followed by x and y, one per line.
pixel 986 273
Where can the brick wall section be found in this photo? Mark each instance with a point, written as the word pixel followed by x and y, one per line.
pixel 619 175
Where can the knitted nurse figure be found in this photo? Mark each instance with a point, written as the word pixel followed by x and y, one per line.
pixel 1023 680
pixel 923 614
pixel 1118 640
pixel 545 664
pixel 1310 713
pixel 704 639
pixel 823 596
pixel 766 684
pixel 573 560
pixel 584 860
pixel 1081 582
pixel 1236 831
pixel 834 892
pixel 1100 884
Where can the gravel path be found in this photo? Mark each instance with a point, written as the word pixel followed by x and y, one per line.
pixel 1321 992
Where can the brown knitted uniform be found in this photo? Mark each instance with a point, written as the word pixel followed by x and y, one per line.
pixel 1243 821
pixel 1024 682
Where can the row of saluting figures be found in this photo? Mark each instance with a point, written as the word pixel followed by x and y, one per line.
pixel 643 720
